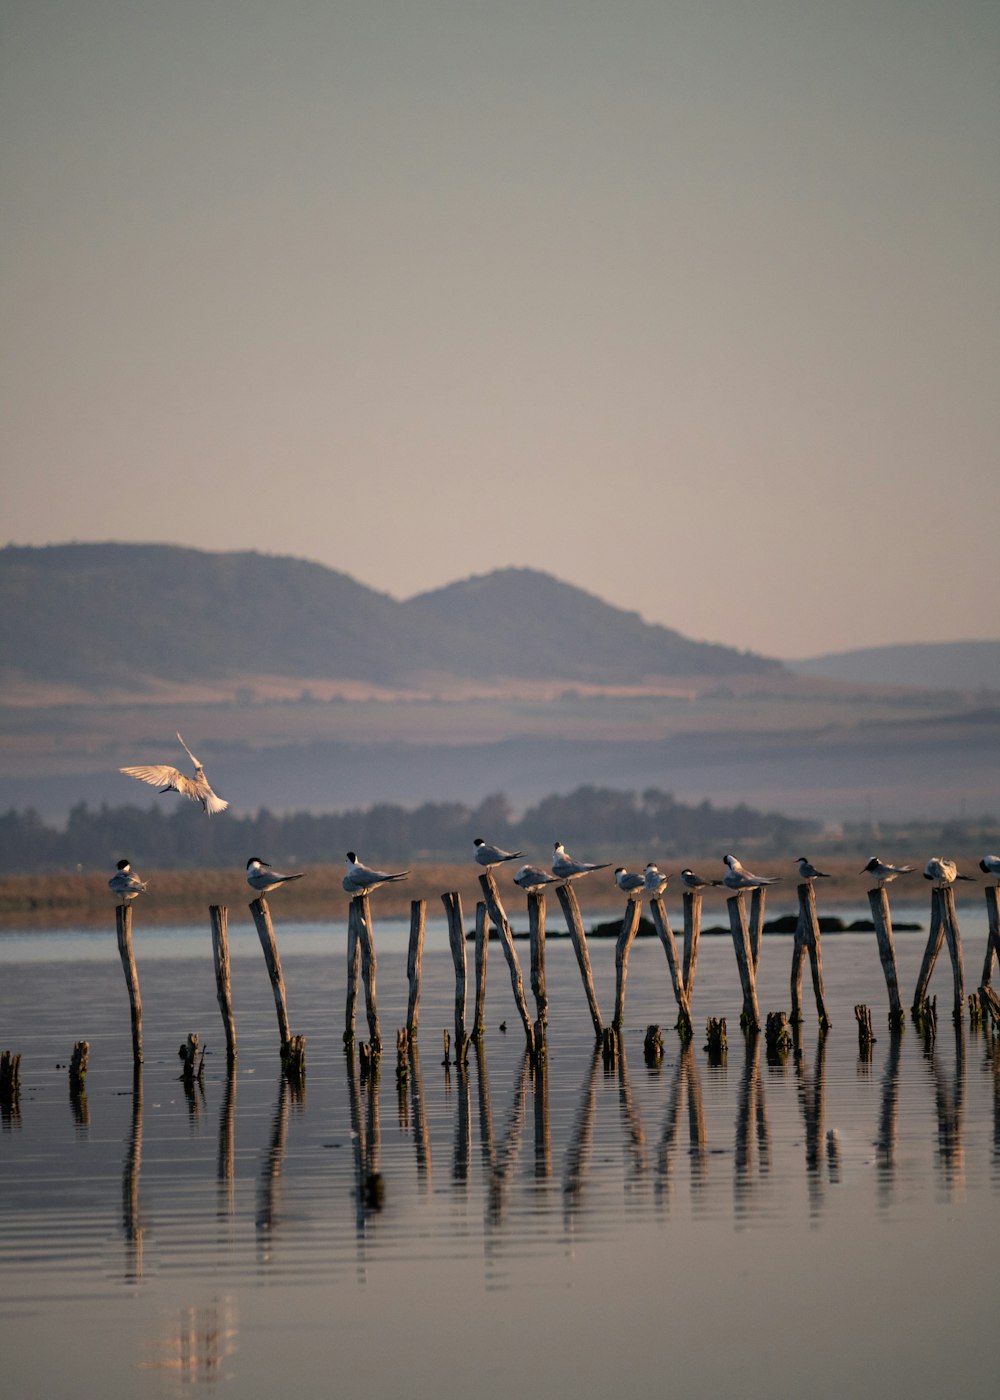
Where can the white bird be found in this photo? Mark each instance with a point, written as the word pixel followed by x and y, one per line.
pixel 736 878
pixel 169 779
pixel 808 871
pixel 533 877
pixel 629 884
pixel 261 877
pixel 360 879
pixel 564 867
pixel 691 881
pixel 883 872
pixel 653 881
pixel 489 856
pixel 990 865
pixel 125 883
pixel 943 872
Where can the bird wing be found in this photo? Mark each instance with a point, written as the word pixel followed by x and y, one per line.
pixel 157 775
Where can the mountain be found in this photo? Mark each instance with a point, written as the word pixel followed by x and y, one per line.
pixel 105 616
pixel 929 665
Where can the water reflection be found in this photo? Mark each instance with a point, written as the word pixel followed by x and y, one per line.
pixel 751 1127
pixel 225 1171
pixel 580 1143
pixel 686 1084
pixel 196 1342
pixel 949 1102
pixel 812 1102
pixel 131 1219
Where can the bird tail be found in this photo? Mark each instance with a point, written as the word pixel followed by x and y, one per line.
pixel 214 804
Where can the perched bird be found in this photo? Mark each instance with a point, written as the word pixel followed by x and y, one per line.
pixel 489 856
pixel 169 779
pixel 990 865
pixel 564 867
pixel 360 879
pixel 653 882
pixel 691 881
pixel 262 878
pixel 125 883
pixel 808 871
pixel 533 877
pixel 736 878
pixel 883 872
pixel 629 884
pixel 943 872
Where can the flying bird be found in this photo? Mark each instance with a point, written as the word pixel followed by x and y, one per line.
pixel 261 877
pixel 736 878
pixel 691 881
pixel 883 872
pixel 808 871
pixel 653 882
pixel 489 856
pixel 533 877
pixel 168 779
pixel 990 865
pixel 629 884
pixel 943 872
pixel 361 879
pixel 564 867
pixel 125 883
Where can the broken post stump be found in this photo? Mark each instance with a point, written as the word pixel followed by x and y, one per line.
pixel 652 1045
pixel 78 1064
pixel 219 916
pixel 123 922
pixel 191 1067
pixel 715 1029
pixel 777 1036
pixel 866 1036
pixel 10 1077
pixel 566 895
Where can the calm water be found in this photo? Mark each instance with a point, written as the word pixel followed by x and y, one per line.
pixel 823 1225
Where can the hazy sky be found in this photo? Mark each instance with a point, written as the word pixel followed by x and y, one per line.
pixel 693 303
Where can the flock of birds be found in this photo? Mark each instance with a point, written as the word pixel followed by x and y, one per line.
pixel 126 885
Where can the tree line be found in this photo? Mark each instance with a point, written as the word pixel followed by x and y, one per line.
pixel 593 822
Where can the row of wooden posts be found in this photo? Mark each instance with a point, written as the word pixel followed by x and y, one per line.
pixel 746 934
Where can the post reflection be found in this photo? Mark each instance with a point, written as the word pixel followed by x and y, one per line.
pixel 812 1102
pixel 366 1137
pixel 196 1343
pixel 885 1142
pixel 949 1102
pixel 131 1220
pixel 580 1143
pixel 269 1183
pixel 500 1157
pixel 225 1162
pixel 751 1128
pixel 418 1107
pixel 685 1084
pixel 631 1121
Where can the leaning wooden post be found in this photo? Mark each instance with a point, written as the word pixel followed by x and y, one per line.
pixel 414 963
pixel 123 919
pixel 798 963
pixel 950 920
pixel 809 924
pixel 993 939
pixel 571 912
pixel 750 1016
pixel 878 901
pixel 758 899
pixel 934 941
pixel 666 936
pixel 492 896
pixel 623 946
pixel 265 932
pixel 482 951
pixel 452 902
pixel 353 972
pixel 369 967
pixel 692 932
pixel 536 936
pixel 219 915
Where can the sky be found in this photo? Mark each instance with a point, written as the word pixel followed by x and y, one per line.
pixel 692 303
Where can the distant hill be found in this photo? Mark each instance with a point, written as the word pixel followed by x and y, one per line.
pixel 102 616
pixel 930 665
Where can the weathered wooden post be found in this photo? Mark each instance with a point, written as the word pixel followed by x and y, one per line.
pixel 265 932
pixel 414 964
pixel 692 933
pixel 715 1030
pixel 536 936
pixel 482 951
pixel 758 899
pixel 878 901
pixel 652 1045
pixel 219 916
pixel 934 941
pixel 623 946
pixel 123 921
pixel 750 1015
pixel 666 936
pixel 491 894
pixel 574 923
pixel 10 1077
pixel 953 938
pixel 993 939
pixel 777 1036
pixel 866 1036
pixel 353 972
pixel 452 902
pixel 79 1062
pixel 191 1067
pixel 369 967
pixel 807 938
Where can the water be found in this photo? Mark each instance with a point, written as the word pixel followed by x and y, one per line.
pixel 824 1224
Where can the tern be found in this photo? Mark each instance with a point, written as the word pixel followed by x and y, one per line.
pixel 261 877
pixel 361 879
pixel 691 881
pixel 736 878
pixel 808 871
pixel 990 865
pixel 883 872
pixel 169 779
pixel 653 881
pixel 533 877
pixel 489 856
pixel 125 883
pixel 564 867
pixel 629 884
pixel 943 872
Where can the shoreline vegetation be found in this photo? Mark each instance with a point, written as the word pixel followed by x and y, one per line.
pixel 82 900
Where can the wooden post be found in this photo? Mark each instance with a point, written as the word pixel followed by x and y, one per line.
pixel 934 941
pixel 191 1068
pixel 750 1016
pixel 536 935
pixel 353 972
pixel 492 896
pixel 456 937
pixel 369 967
pixel 123 920
pixel 623 946
pixel 219 915
pixel 414 963
pixel 950 920
pixel 571 912
pixel 810 927
pixel 662 924
pixel 78 1068
pixel 265 932
pixel 878 901
pixel 758 899
pixel 715 1029
pixel 777 1036
pixel 866 1037
pixel 482 950
pixel 993 939
pixel 798 962
pixel 10 1076
pixel 692 932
